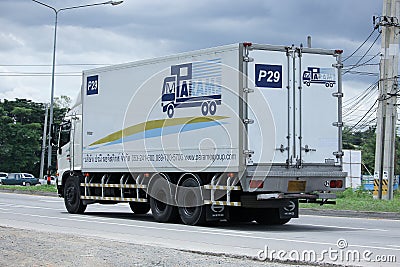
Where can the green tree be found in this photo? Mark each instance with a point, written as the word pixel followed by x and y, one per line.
pixel 366 142
pixel 21 126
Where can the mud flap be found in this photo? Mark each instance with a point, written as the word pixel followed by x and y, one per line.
pixel 215 212
pixel 290 211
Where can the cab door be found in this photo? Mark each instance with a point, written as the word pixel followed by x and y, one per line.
pixel 64 147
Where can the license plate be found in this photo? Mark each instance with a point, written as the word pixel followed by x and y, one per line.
pixel 296 186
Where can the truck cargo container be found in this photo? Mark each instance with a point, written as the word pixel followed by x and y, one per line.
pixel 225 133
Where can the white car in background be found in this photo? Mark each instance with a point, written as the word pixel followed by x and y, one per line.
pixel 3 175
pixel 44 180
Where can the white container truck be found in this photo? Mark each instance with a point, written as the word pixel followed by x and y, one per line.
pixel 240 132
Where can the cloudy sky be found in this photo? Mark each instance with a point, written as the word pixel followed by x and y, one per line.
pixel 102 35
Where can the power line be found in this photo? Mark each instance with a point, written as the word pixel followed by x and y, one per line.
pixel 370 47
pixel 355 125
pixel 366 40
pixel 356 100
pixel 363 73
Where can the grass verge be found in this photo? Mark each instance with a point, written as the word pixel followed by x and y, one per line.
pixel 360 200
pixel 39 188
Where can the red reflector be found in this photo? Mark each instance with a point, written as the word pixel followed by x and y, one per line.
pixel 256 184
pixel 332 184
pixel 339 184
pixel 247 44
pixel 338 51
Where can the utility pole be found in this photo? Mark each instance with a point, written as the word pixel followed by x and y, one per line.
pixel 387 109
pixel 44 142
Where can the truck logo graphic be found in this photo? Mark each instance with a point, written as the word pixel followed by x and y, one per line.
pixel 319 76
pixel 196 84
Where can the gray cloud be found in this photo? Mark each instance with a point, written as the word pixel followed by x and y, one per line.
pixel 144 29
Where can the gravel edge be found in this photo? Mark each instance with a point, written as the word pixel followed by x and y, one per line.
pixel 22 247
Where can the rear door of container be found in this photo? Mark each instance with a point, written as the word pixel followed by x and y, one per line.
pixel 292 105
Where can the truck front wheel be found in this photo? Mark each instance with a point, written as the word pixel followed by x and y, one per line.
pixel 204 108
pixel 72 196
pixel 170 110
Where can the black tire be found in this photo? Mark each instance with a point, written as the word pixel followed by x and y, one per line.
pixel 139 207
pixel 212 108
pixel 204 108
pixel 270 217
pixel 27 184
pixel 170 110
pixel 161 202
pixel 72 196
pixel 191 208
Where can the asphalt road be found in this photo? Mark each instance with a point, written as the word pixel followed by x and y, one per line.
pixel 337 240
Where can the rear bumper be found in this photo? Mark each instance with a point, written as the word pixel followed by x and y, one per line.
pixel 279 200
pixel 305 181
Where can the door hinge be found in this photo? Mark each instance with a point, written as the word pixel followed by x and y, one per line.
pixel 338 154
pixel 282 148
pixel 306 149
pixel 338 66
pixel 248 121
pixel 248 90
pixel 248 59
pixel 337 94
pixel 248 152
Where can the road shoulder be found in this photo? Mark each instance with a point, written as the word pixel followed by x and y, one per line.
pixel 303 211
pixel 34 248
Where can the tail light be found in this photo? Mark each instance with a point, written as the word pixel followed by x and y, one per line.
pixel 339 184
pixel 336 184
pixel 256 184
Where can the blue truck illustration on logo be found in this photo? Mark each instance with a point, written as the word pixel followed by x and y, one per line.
pixel 196 84
pixel 319 75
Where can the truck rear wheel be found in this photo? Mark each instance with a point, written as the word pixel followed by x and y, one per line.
pixel 161 202
pixel 212 107
pixel 191 210
pixel 139 207
pixel 72 196
pixel 270 217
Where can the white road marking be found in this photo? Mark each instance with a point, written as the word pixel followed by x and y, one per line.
pixel 30 207
pixel 351 218
pixel 346 227
pixel 230 233
pixel 51 201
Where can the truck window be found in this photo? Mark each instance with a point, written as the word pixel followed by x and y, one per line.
pixel 65 136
